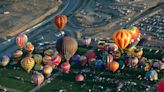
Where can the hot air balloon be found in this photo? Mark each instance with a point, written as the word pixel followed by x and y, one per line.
pixel 17 54
pixel 121 64
pixel 160 86
pixel 135 32
pixel 4 61
pixel 67 47
pixel 46 59
pixel 122 38
pixel 107 58
pixel 47 69
pixel 147 67
pixel 27 63
pixel 56 60
pixel 75 58
pixel 82 60
pixel 90 54
pixel 21 40
pixel 151 75
pixel 132 61
pixel 138 52
pixel 113 66
pixel 79 77
pixel 112 47
pixel 60 21
pixel 29 47
pixel 65 67
pixel 37 78
pixel 159 65
pixel 130 51
pixel 38 58
pixel 49 52
pixel 116 55
pixel 86 40
pixel 38 67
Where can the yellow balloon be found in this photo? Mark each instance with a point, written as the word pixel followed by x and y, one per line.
pixel 38 58
pixel 27 63
pixel 131 51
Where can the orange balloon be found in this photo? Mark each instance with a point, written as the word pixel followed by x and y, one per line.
pixel 122 38
pixel 113 66
pixel 60 21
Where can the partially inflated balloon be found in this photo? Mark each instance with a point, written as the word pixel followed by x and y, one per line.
pixel 138 52
pixel 17 54
pixel 116 54
pixel 86 40
pixel 21 40
pixel 82 60
pixel 27 63
pixel 4 60
pixel 38 67
pixel 37 78
pixel 67 47
pixel 113 66
pixel 56 60
pixel 121 64
pixel 47 69
pixel 29 47
pixel 38 58
pixel 65 67
pixel 151 75
pixel 79 77
pixel 60 21
pixel 90 54
pixel 122 38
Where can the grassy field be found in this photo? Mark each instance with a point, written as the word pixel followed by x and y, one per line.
pixel 95 80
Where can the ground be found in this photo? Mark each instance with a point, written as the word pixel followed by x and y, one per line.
pixel 21 12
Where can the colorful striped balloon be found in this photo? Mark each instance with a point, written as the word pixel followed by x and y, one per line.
pixel 67 47
pixel 37 78
pixel 29 47
pixel 60 21
pixel 122 38
pixel 27 63
pixel 21 40
pixel 56 60
pixel 65 67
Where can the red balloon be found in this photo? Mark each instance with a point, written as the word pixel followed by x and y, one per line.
pixel 60 21
pixel 90 54
pixel 79 77
pixel 161 86
pixel 66 67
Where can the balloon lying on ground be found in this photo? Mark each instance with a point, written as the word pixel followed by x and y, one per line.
pixel 21 40
pixel 138 52
pixel 60 21
pixel 27 63
pixel 4 60
pixel 122 38
pixel 17 54
pixel 67 47
pixel 37 78
pixel 38 67
pixel 79 77
pixel 90 54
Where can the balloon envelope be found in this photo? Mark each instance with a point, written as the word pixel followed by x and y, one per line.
pixel 21 40
pixel 122 38
pixel 86 40
pixel 113 66
pixel 160 86
pixel 79 77
pixel 4 60
pixel 60 21
pixel 27 63
pixel 37 78
pixel 38 58
pixel 65 67
pixel 67 46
